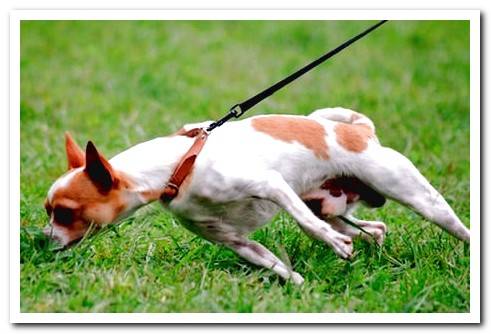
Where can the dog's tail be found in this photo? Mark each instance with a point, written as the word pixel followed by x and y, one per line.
pixel 344 115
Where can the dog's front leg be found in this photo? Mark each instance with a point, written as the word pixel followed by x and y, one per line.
pixel 259 255
pixel 273 187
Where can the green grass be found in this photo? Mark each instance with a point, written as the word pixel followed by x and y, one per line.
pixel 119 83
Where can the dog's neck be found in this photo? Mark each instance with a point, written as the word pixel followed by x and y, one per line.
pixel 149 165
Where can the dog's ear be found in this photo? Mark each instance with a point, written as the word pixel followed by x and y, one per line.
pixel 74 154
pixel 99 169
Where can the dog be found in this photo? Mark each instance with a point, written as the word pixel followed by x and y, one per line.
pixel 316 167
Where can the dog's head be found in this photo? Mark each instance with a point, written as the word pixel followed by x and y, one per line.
pixel 90 192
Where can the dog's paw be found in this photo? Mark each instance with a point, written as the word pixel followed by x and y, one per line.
pixel 297 278
pixel 342 245
pixel 378 236
pixel 377 232
pixel 381 226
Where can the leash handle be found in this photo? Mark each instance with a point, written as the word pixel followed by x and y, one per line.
pixel 240 108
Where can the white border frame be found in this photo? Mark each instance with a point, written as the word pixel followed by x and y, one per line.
pixel 18 317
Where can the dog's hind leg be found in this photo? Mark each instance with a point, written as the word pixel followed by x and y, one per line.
pixel 259 255
pixel 393 175
pixel 376 230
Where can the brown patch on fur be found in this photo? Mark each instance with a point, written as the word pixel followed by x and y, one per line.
pixel 75 231
pixel 86 198
pixel 353 137
pixel 124 180
pixel 48 207
pixel 75 155
pixel 305 131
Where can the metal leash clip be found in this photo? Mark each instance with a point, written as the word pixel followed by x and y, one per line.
pixel 237 111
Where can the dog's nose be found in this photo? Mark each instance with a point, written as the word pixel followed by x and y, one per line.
pixel 48 231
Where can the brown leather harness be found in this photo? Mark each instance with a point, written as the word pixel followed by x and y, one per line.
pixel 186 163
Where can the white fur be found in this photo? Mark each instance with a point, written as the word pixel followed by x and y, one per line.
pixel 243 177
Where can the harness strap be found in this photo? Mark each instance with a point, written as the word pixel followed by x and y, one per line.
pixel 185 165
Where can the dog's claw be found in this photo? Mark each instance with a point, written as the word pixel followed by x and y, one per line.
pixel 297 278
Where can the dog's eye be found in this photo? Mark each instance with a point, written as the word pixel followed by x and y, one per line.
pixel 63 216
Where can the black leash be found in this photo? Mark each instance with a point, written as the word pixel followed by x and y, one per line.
pixel 239 109
pixel 350 223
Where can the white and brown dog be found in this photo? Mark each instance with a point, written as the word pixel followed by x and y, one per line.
pixel 316 167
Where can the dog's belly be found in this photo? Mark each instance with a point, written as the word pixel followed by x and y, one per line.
pixel 220 222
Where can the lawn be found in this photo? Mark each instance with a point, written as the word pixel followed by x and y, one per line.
pixel 120 83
